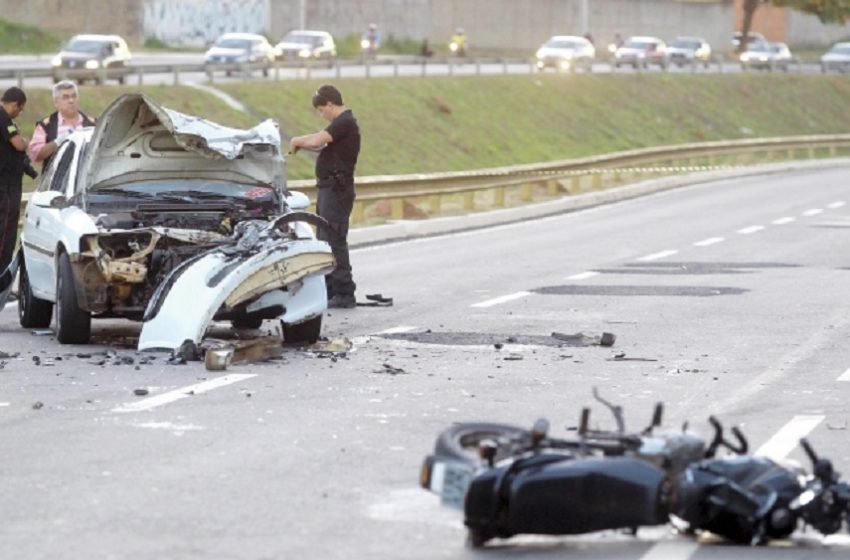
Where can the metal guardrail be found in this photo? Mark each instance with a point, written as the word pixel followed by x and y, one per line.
pixel 529 182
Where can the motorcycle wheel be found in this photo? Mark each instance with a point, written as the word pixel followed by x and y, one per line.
pixel 461 441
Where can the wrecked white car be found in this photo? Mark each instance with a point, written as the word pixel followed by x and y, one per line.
pixel 172 220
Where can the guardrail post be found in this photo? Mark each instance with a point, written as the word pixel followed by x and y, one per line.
pixel 469 200
pixel 397 209
pixel 575 184
pixel 504 66
pixel 434 205
pixel 451 66
pixel 308 70
pixel 141 72
pixel 596 182
pixel 553 187
pixel 368 67
pixel 526 192
pixel 176 76
pixel 20 77
pixel 477 67
pixel 276 71
pixel 499 197
pixel 358 212
pixel 395 69
pixel 101 75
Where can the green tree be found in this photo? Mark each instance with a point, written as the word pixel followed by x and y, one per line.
pixel 828 11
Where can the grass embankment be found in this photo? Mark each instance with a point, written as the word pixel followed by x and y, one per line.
pixel 19 38
pixel 414 125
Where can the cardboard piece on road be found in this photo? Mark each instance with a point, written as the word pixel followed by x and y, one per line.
pixel 582 339
pixel 257 350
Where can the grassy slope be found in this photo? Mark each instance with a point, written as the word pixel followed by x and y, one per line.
pixel 22 38
pixel 413 125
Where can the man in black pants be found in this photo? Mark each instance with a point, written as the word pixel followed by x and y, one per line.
pixel 12 151
pixel 338 146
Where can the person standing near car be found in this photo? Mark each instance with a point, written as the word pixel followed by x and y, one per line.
pixel 13 148
pixel 51 131
pixel 338 146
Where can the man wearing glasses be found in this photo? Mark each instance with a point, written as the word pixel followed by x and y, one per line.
pixel 338 146
pixel 51 131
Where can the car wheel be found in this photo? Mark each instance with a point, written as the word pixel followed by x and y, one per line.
pixel 306 332
pixel 247 322
pixel 34 313
pixel 73 325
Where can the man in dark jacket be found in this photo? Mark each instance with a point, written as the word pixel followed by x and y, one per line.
pixel 51 131
pixel 338 146
pixel 12 152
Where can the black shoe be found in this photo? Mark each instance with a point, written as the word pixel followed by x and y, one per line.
pixel 342 302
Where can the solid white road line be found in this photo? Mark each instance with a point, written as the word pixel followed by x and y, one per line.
pixel 177 394
pixel 658 255
pixel 788 437
pixel 501 299
pixel 2 404
pixel 398 330
pixel 782 221
pixel 709 241
pixel 836 204
pixel 671 550
pixel 582 275
pixel 844 376
pixel 812 212
pixel 749 230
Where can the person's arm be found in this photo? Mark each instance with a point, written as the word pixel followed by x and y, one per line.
pixel 314 142
pixel 10 133
pixel 19 142
pixel 38 143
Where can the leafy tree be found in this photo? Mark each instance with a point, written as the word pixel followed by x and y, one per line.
pixel 828 11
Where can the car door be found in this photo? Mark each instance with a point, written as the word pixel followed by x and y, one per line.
pixel 42 225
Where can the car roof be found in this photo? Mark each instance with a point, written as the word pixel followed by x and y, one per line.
pixel 241 36
pixel 643 38
pixel 566 38
pixel 308 32
pixel 92 37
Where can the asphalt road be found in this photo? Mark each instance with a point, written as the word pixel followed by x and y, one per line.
pixel 730 295
pixel 384 67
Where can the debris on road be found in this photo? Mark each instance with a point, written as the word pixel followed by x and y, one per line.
pixel 331 348
pixel 513 357
pixel 42 332
pixel 583 339
pixel 392 370
pixel 37 405
pixel 140 392
pixel 7 355
pixel 621 357
pixel 376 300
pixel 256 350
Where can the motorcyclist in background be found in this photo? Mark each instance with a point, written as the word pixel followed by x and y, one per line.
pixel 371 41
pixel 458 45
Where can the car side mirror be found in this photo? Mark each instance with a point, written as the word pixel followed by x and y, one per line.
pixel 50 199
pixel 297 200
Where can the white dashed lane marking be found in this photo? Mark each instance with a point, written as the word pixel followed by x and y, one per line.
pixel 709 241
pixel 669 550
pixel 658 255
pixel 398 330
pixel 582 275
pixel 836 204
pixel 750 229
pixel 177 394
pixel 813 212
pixel 782 221
pixel 788 437
pixel 501 299
pixel 844 376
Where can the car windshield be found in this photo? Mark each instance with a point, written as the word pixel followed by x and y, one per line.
pixel 564 44
pixel 760 47
pixel 243 44
pixel 840 49
pixel 302 39
pixel 686 44
pixel 642 45
pixel 84 46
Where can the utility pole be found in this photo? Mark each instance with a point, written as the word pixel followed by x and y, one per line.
pixel 302 14
pixel 585 16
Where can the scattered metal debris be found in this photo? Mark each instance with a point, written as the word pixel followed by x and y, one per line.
pixel 392 370
pixel 140 392
pixel 842 426
pixel 621 357
pixel 257 350
pixel 376 300
pixel 332 347
pixel 582 339
pixel 42 332
pixel 7 355
pixel 37 405
pixel 513 357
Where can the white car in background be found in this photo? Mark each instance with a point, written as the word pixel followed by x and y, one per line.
pixel 92 57
pixel 837 58
pixel 766 56
pixel 303 44
pixel 174 221
pixel 247 49
pixel 566 53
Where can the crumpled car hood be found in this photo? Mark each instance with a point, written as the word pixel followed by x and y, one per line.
pixel 137 139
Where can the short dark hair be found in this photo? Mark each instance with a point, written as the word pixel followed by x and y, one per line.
pixel 327 94
pixel 14 95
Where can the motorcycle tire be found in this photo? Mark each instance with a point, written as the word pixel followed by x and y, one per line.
pixel 460 442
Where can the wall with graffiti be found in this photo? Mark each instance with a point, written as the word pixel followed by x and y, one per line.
pixel 200 22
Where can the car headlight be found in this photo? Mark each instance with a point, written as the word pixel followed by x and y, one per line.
pixel 364 44
pixel 453 47
pixel 57 61
pixel 304 53
pixel 540 64
pixel 92 64
pixel 565 65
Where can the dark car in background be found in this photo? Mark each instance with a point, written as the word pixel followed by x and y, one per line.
pixel 249 49
pixel 689 50
pixel 92 57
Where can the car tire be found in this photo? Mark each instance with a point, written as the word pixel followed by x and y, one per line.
pixel 33 312
pixel 307 332
pixel 73 325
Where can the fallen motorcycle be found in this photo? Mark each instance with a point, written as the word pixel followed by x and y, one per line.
pixel 510 480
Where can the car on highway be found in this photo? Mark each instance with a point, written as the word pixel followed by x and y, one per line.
pixel 689 50
pixel 304 44
pixel 249 49
pixel 837 58
pixel 766 56
pixel 172 220
pixel 92 57
pixel 565 53
pixel 641 52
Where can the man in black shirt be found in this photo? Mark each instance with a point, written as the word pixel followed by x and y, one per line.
pixel 338 146
pixel 12 151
